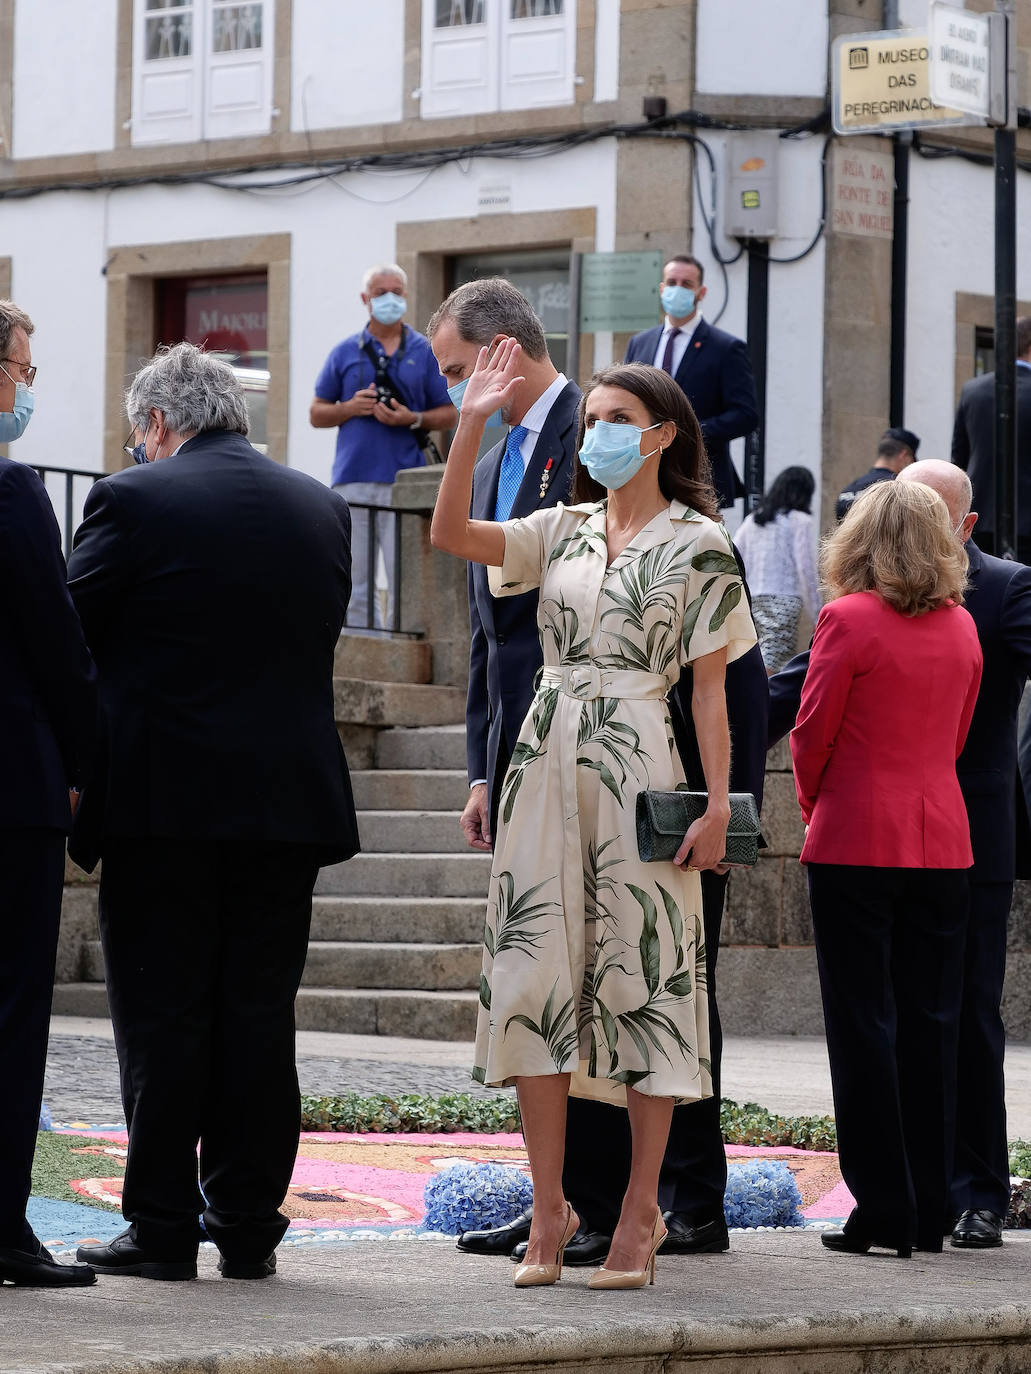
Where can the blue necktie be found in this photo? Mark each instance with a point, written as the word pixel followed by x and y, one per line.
pixel 511 474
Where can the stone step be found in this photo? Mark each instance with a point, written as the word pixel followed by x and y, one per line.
pixel 357 702
pixel 437 920
pixel 403 875
pixel 383 658
pixel 356 964
pixel 418 1015
pixel 410 789
pixel 365 964
pixel 440 746
pixel 411 832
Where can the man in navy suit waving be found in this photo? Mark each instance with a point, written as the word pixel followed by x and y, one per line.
pixel 531 468
pixel 711 367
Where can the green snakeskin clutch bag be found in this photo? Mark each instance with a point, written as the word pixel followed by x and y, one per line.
pixel 664 818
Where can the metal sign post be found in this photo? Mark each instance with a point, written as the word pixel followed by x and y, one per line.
pixel 1003 80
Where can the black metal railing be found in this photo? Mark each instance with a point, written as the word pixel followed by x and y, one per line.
pixel 382 529
pixel 67 500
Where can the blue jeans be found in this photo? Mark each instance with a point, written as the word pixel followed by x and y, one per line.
pixel 377 494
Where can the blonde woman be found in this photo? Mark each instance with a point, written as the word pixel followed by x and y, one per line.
pixel 891 685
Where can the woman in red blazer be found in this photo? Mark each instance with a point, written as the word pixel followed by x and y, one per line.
pixel 892 680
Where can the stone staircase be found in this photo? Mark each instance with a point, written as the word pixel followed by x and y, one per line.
pixel 395 936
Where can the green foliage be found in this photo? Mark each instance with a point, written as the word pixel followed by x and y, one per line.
pixel 750 1124
pixel 742 1124
pixel 409 1113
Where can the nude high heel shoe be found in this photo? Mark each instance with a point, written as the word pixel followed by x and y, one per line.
pixel 537 1275
pixel 632 1278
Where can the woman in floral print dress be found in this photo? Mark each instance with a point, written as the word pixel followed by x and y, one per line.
pixel 594 963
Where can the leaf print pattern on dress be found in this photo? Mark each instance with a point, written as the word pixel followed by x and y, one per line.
pixel 556 1028
pixel 603 970
pixel 601 728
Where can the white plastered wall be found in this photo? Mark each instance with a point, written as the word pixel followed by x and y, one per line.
pixel 794 384
pixel 64 77
pixel 59 244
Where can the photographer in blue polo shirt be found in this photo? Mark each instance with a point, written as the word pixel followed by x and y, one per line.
pixel 382 391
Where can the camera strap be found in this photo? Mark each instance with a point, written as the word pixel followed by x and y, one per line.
pixel 385 380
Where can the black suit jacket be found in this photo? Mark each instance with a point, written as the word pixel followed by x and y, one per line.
pixel 999 600
pixel 212 587
pixel 716 376
pixel 47 687
pixel 973 446
pixel 505 649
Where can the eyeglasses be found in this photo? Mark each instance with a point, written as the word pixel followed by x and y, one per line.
pixel 28 372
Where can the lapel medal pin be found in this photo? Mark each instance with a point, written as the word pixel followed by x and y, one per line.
pixel 545 478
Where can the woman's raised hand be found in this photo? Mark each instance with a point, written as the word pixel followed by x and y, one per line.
pixel 493 380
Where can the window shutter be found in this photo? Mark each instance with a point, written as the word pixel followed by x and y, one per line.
pixel 166 105
pixel 238 68
pixel 538 53
pixel 459 58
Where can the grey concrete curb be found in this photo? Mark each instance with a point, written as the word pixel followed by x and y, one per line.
pixel 939 1338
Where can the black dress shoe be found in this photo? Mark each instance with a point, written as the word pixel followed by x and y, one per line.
pixel 586 1247
pixel 247 1269
pixel 977 1230
pixel 685 1237
pixel 124 1256
pixel 40 1270
pixel 498 1240
pixel 855 1242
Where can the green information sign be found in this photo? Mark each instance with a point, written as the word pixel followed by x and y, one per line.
pixel 619 291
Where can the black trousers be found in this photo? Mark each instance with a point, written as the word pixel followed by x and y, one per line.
pixel 889 946
pixel 204 944
pixel 981 1178
pixel 31 882
pixel 694 1171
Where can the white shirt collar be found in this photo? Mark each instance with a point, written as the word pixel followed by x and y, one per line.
pixel 534 419
pixel 685 329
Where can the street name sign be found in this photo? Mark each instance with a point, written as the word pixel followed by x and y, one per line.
pixel 881 81
pixel 960 46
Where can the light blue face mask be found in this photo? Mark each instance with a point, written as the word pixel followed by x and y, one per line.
pixel 612 453
pixel 456 393
pixel 13 422
pixel 677 301
pixel 388 308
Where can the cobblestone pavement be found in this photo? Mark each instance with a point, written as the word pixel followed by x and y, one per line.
pixel 82 1078
pixel 788 1074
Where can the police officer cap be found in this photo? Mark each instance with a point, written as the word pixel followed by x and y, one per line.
pixel 903 436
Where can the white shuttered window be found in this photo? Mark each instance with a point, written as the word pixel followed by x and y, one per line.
pixel 201 69
pixel 485 55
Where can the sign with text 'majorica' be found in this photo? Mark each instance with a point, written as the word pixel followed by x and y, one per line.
pixel 881 81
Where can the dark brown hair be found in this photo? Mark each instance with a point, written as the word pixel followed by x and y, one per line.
pixel 684 473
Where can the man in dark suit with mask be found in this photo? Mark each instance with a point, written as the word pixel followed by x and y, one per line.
pixel 212 585
pixel 973 446
pixel 504 658
pixel 47 721
pixel 711 367
pixel 999 600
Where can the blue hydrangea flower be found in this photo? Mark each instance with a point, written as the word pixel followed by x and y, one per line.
pixel 45 1121
pixel 762 1192
pixel 472 1197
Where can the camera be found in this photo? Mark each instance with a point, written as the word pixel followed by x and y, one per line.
pixel 384 393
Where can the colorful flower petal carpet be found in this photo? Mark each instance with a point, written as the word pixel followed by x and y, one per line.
pixel 355 1187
